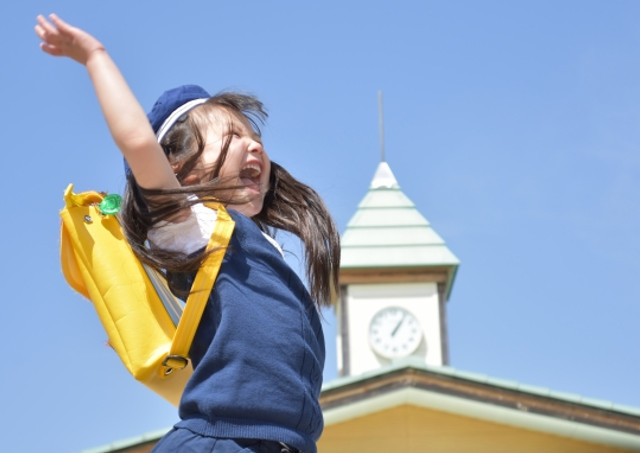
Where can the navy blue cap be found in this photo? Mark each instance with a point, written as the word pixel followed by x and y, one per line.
pixel 170 106
pixel 174 103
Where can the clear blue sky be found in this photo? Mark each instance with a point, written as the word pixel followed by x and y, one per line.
pixel 513 126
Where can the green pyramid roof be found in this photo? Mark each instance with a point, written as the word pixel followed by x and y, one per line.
pixel 387 231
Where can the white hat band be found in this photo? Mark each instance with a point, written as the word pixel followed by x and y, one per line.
pixel 176 114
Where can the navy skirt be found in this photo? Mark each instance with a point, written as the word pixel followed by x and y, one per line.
pixel 181 440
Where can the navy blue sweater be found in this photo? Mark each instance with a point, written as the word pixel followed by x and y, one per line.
pixel 258 354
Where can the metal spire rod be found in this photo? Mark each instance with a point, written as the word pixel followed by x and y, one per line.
pixel 381 126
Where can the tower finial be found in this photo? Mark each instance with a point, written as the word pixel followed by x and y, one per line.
pixel 381 126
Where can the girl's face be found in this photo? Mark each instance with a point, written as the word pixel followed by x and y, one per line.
pixel 246 163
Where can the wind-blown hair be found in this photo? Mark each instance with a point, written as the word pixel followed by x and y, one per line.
pixel 289 204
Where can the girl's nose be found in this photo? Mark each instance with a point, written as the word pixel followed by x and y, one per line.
pixel 255 147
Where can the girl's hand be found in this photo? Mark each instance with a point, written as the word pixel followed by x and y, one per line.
pixel 63 40
pixel 126 119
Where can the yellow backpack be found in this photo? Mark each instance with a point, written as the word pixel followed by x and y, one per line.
pixel 150 329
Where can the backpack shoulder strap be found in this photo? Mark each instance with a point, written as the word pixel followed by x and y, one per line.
pixel 200 290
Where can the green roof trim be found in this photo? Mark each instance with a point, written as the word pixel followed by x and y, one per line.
pixel 418 364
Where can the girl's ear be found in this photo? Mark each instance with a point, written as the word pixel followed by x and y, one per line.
pixel 190 180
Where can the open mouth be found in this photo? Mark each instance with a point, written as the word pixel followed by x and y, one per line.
pixel 250 175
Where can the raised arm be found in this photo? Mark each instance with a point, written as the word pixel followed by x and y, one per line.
pixel 125 117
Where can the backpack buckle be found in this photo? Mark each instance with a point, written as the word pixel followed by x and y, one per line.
pixel 174 362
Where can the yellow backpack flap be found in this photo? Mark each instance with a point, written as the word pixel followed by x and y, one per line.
pixel 150 329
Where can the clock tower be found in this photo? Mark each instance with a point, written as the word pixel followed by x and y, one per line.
pixel 396 275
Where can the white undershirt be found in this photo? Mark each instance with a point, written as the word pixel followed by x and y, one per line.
pixel 192 234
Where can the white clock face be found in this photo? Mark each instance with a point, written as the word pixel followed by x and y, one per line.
pixel 394 332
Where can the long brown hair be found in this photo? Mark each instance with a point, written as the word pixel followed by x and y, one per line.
pixel 289 204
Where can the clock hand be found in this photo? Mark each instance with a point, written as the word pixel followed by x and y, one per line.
pixel 395 329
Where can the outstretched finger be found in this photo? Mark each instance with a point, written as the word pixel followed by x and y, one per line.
pixel 59 23
pixel 51 49
pixel 48 34
pixel 45 28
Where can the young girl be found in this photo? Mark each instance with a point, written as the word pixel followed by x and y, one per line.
pixel 258 354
